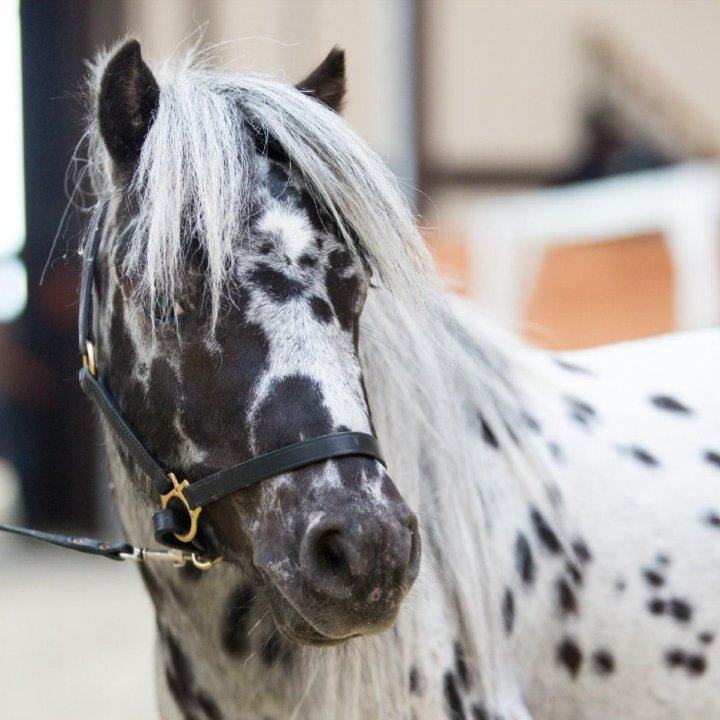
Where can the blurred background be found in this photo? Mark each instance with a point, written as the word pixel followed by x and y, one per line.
pixel 563 160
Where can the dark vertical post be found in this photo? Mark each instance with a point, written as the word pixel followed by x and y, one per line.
pixel 55 422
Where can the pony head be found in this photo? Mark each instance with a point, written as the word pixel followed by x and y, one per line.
pixel 230 294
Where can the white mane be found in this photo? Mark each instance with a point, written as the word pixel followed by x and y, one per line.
pixel 426 376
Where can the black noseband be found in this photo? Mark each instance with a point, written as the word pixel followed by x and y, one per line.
pixel 175 524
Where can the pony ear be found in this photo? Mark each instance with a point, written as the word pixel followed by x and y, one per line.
pixel 327 81
pixel 129 96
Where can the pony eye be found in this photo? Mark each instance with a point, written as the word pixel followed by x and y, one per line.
pixel 168 314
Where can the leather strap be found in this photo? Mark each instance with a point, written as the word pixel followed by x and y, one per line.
pixel 285 459
pixel 97 392
pixel 81 544
pixel 85 316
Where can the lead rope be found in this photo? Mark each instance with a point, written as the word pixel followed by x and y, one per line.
pixel 117 551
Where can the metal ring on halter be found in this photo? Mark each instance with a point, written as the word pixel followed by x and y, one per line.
pixel 177 491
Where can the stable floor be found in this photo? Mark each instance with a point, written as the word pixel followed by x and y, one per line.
pixel 76 637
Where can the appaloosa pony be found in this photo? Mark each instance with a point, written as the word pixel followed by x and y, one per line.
pixel 260 282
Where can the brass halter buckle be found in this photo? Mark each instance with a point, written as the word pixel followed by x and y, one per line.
pixel 178 491
pixel 89 358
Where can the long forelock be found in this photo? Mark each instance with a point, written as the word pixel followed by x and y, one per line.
pixel 196 178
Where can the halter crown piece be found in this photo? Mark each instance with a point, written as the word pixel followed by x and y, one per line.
pixel 181 502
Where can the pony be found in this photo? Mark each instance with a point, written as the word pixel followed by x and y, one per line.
pixel 545 541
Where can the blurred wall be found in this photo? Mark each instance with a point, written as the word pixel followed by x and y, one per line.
pixel 505 78
pixel 289 38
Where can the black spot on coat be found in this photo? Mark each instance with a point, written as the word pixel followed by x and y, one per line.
pixel 480 713
pixel 545 533
pixel 566 598
pixel 237 619
pixel 643 456
pixel 524 561
pixel 680 610
pixel 713 457
pixel 657 606
pixel 603 662
pixel 581 411
pixel 487 433
pixel 570 656
pixel 414 681
pixel 461 667
pixel 665 402
pixel 571 367
pixel 456 711
pixel 654 578
pixel 508 610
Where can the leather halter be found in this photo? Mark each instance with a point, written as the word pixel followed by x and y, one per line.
pixel 176 523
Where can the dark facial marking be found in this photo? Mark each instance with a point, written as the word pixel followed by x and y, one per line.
pixel 307 261
pixel 454 702
pixel 508 610
pixel 292 409
pixel 237 621
pixel 461 667
pixel 713 457
pixel 603 662
pixel 570 656
pixel 524 561
pixel 665 402
pixel 545 533
pixel 566 598
pixel 322 311
pixel 342 292
pixel 279 286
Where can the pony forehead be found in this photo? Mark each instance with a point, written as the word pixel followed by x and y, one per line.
pixel 201 152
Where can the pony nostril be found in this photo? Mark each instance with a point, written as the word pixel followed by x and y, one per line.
pixel 330 553
pixel 326 560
